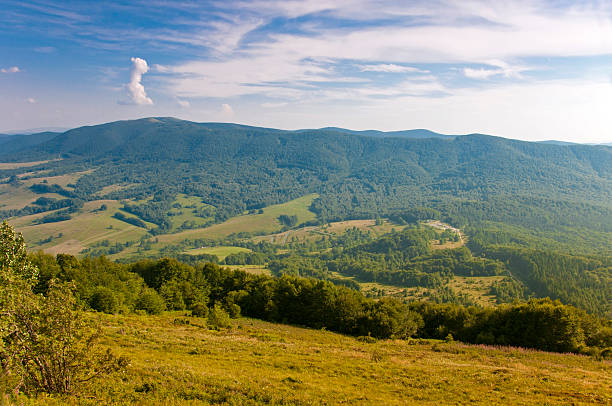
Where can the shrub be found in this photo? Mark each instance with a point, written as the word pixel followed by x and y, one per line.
pixel 233 310
pixel 199 310
pixel 218 318
pixel 104 300
pixel 150 301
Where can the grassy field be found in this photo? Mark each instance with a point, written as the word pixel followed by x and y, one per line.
pixel 185 211
pixel 71 236
pixel 266 222
pixel 17 197
pixel 254 362
pixel 476 287
pixel 331 229
pixel 221 252
pixel 15 165
pixel 254 269
pixel 253 223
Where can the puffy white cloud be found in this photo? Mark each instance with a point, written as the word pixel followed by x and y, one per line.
pixel 31 100
pixel 135 89
pixel 12 69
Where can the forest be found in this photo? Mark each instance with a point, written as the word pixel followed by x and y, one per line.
pixel 167 284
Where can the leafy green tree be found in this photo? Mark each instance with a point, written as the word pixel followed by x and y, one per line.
pixel 104 300
pixel 150 301
pixel 46 345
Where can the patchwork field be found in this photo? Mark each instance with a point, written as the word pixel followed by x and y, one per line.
pixel 176 360
pixel 221 252
pixel 72 236
pixel 332 229
pixel 265 222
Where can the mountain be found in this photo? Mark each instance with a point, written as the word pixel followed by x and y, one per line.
pixel 36 130
pixel 416 133
pixel 529 191
pixel 554 142
pixel 13 143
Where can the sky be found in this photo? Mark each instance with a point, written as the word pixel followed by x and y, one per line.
pixel 530 70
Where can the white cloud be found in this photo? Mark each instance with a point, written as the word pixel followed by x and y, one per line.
pixel 480 73
pixel 389 67
pixel 135 89
pixel 292 65
pixel 502 68
pixel 270 105
pixel 31 100
pixel 12 69
pixel 227 110
pixel 183 103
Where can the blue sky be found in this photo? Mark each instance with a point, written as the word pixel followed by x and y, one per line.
pixel 529 70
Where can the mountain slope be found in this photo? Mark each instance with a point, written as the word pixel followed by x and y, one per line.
pixel 470 180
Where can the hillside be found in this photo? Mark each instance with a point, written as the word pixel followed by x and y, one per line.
pixel 177 360
pixel 165 187
pixel 542 189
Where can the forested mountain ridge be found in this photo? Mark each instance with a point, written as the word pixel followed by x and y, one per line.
pixel 468 180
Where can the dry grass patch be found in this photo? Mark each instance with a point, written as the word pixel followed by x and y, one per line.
pixel 16 165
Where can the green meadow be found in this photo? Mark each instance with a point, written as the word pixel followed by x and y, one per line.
pixel 177 360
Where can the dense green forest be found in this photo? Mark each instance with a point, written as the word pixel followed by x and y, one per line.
pixel 167 284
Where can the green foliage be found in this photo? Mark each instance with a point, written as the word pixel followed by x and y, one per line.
pixel 45 343
pixel 289 221
pixel 585 282
pixel 470 180
pixel 14 263
pixel 199 310
pixel 104 300
pixel 218 318
pixel 150 302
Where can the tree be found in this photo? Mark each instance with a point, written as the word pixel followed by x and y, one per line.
pixel 46 343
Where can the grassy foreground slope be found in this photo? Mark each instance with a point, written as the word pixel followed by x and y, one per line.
pixel 256 362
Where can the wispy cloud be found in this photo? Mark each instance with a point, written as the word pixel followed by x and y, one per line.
pixel 12 69
pixel 391 58
pixel 183 103
pixel 389 68
pixel 500 68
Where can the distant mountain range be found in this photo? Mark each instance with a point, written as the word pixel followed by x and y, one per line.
pixel 35 130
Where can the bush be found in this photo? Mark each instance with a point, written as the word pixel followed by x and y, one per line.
pixel 199 310
pixel 150 301
pixel 218 318
pixel 233 310
pixel 104 300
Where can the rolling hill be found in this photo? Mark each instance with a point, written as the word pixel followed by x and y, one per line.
pixel 162 186
pixel 470 179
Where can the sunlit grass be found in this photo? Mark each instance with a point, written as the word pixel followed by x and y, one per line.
pixel 257 362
